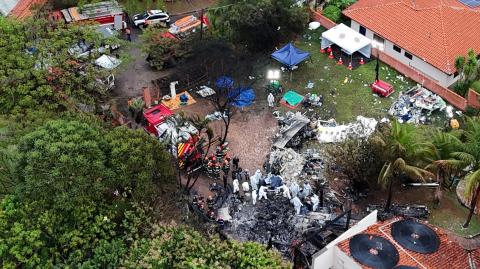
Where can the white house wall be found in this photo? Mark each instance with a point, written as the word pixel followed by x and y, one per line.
pixel 327 258
pixel 416 63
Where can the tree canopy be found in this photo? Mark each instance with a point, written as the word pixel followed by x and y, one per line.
pixel 258 24
pixel 38 72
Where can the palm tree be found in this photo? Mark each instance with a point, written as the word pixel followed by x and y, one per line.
pixel 470 157
pixel 438 156
pixel 399 148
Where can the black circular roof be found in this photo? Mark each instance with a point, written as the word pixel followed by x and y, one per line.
pixel 373 251
pixel 415 236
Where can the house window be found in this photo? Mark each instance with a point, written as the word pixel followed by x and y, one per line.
pixel 363 30
pixel 408 55
pixel 397 49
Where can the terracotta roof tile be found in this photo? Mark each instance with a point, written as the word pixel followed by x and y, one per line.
pixel 450 255
pixel 24 8
pixel 434 30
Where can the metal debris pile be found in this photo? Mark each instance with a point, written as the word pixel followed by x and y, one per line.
pixel 272 222
pixel 416 105
pixel 409 211
pixel 286 163
pixel 294 129
pixel 331 132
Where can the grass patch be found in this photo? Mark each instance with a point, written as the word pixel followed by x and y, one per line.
pixel 452 215
pixel 346 93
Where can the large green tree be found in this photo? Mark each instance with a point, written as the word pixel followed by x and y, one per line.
pixel 399 148
pixel 37 71
pixel 258 24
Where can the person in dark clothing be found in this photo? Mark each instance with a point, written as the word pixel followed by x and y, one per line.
pixel 129 34
pixel 235 163
pixel 225 177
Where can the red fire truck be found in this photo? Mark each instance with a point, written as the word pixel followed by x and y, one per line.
pixel 104 13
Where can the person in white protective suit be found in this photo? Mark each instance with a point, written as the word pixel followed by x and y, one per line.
pixel 245 187
pixel 285 191
pixel 236 186
pixel 297 204
pixel 315 202
pixel 254 197
pixel 294 189
pixel 271 100
pixel 307 190
pixel 255 179
pixel 262 193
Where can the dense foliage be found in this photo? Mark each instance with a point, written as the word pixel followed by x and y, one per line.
pixel 81 196
pixel 258 24
pixel 164 52
pixel 37 71
pixel 333 13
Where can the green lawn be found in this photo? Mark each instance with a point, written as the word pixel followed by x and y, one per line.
pixel 346 93
pixel 452 215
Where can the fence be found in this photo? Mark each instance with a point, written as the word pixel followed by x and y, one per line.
pixel 473 98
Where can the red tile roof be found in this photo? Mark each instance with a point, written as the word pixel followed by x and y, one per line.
pixel 24 8
pixel 450 255
pixel 434 30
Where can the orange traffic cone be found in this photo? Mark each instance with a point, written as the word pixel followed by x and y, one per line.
pixel 340 62
pixel 330 55
pixel 350 66
pixel 361 61
pixel 322 50
pixel 329 49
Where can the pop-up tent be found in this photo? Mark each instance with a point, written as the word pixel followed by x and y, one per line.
pixel 290 56
pixel 348 39
pixel 242 96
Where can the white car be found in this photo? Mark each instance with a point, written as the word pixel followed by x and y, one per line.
pixel 151 17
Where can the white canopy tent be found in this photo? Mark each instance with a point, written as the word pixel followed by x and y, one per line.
pixel 348 39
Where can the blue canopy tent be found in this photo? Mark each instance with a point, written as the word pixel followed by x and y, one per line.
pixel 290 56
pixel 242 97
pixel 224 82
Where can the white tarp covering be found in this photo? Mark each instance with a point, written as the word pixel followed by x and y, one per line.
pixel 108 62
pixel 348 39
pixel 6 6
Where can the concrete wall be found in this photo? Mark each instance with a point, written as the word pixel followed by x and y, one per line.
pixel 327 257
pixel 324 21
pixel 430 71
pixel 343 261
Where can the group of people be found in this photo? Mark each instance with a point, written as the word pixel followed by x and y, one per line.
pixel 258 187
pixel 220 161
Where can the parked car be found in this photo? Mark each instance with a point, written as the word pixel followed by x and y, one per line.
pixel 151 17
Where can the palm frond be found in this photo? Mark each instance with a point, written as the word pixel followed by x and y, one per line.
pixel 472 183
pixel 385 174
pixel 463 156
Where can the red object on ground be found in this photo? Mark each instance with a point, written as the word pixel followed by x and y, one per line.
pixel 340 62
pixel 322 50
pixel 169 35
pixel 155 116
pixel 350 66
pixel 361 61
pixel 330 55
pixel 382 88
pixel 329 49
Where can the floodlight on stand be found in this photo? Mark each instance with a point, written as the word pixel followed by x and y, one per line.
pixel 273 74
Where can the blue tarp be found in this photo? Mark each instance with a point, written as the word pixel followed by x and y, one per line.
pixel 224 82
pixel 290 55
pixel 244 96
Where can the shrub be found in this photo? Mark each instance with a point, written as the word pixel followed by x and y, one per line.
pixel 471 111
pixel 461 87
pixel 342 4
pixel 333 13
pixel 475 86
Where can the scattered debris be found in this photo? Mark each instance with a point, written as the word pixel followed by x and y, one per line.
pixel 205 91
pixel 409 211
pixel 416 105
pixel 215 116
pixel 330 132
pixel 290 125
pixel 287 163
